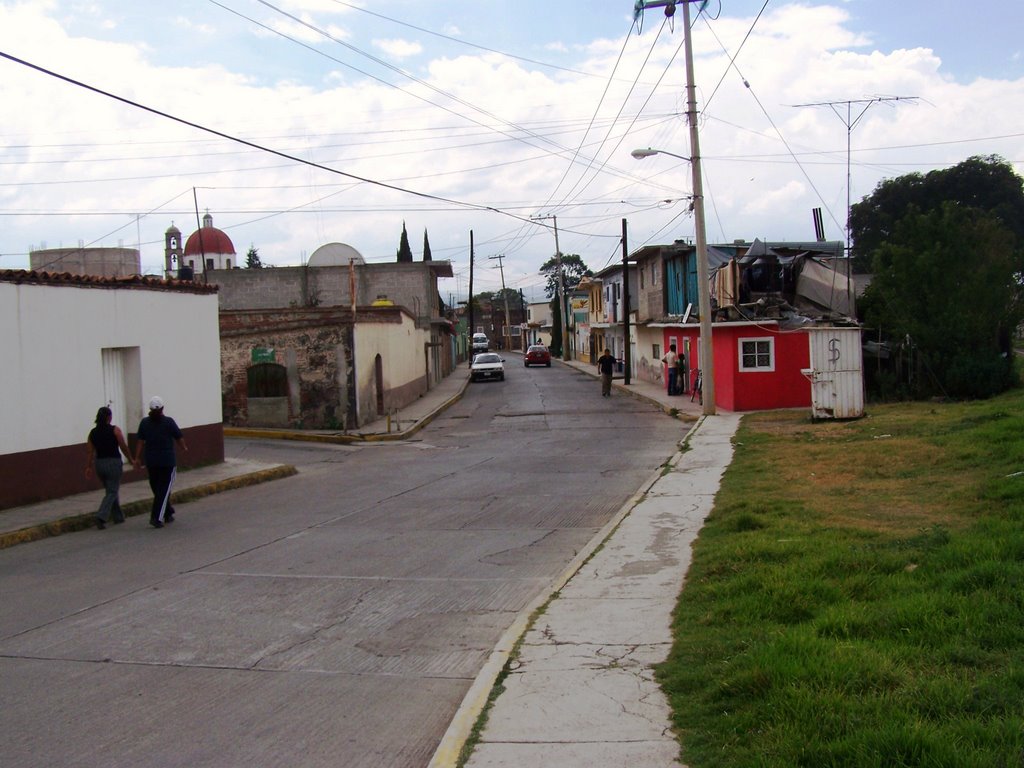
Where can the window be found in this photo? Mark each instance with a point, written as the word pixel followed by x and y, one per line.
pixel 209 264
pixel 654 274
pixel 757 355
pixel 641 279
pixel 267 380
pixel 656 351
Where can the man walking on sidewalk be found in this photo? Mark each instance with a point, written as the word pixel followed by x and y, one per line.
pixel 156 438
pixel 670 360
pixel 606 366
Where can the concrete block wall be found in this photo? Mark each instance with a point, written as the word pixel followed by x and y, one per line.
pixel 408 285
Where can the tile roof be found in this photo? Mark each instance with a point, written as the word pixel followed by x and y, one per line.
pixel 135 282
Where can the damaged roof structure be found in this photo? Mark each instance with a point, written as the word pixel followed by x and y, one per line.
pixel 795 283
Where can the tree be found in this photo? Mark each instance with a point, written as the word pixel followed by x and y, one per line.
pixel 426 247
pixel 948 282
pixel 404 251
pixel 573 270
pixel 252 258
pixel 984 183
pixel 556 328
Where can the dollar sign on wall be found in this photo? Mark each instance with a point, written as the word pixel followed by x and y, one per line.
pixel 833 348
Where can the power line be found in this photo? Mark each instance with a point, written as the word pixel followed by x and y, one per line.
pixel 197 126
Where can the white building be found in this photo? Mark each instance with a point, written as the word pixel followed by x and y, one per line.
pixel 75 343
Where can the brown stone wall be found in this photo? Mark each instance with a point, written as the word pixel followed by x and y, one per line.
pixel 313 345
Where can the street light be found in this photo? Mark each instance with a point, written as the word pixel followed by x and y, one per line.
pixel 703 292
pixel 639 154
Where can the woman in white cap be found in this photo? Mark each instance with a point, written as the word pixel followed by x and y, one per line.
pixel 156 438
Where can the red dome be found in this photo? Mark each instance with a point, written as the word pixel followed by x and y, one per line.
pixel 214 241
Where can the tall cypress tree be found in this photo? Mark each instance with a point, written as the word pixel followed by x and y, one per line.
pixel 426 247
pixel 404 251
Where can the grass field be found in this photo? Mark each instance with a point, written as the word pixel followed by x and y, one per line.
pixel 856 597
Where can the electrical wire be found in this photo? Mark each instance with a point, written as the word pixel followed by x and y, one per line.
pixel 197 126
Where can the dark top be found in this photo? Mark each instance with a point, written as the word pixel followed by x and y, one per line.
pixel 103 440
pixel 606 364
pixel 159 435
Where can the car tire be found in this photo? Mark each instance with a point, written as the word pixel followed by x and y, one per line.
pixel 548 364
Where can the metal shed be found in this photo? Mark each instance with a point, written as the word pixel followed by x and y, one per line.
pixel 836 373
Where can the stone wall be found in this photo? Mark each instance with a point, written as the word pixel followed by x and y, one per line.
pixel 314 346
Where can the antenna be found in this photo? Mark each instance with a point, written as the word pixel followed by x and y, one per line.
pixel 851 122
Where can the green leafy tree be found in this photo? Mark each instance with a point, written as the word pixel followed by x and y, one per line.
pixel 948 281
pixel 426 247
pixel 985 183
pixel 404 251
pixel 252 258
pixel 573 270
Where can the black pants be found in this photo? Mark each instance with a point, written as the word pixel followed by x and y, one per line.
pixel 160 480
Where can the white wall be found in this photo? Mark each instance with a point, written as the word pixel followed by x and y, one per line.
pixel 402 352
pixel 51 348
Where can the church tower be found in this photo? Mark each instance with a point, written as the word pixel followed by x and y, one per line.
pixel 172 252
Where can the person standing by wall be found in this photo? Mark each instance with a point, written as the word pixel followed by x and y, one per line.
pixel 156 438
pixel 105 445
pixel 670 359
pixel 606 366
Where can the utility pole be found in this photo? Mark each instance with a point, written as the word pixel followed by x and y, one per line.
pixel 561 288
pixel 469 333
pixel 707 353
pixel 504 293
pixel 627 355
pixel 851 122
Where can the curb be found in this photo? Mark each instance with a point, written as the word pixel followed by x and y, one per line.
pixel 134 508
pixel 474 704
pixel 621 387
pixel 344 439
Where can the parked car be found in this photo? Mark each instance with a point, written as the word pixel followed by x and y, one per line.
pixel 480 343
pixel 487 365
pixel 537 354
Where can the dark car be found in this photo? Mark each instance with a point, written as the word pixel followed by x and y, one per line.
pixel 537 354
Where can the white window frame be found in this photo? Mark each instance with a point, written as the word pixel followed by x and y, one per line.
pixel 756 340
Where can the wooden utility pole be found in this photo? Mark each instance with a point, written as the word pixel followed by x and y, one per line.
pixel 628 354
pixel 508 319
pixel 469 332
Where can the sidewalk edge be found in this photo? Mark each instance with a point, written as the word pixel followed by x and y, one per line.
pixel 475 701
pixel 342 438
pixel 131 509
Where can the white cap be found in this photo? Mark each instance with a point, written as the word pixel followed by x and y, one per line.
pixel 156 403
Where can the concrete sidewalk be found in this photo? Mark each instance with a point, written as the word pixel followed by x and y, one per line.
pixel 579 688
pixel 20 525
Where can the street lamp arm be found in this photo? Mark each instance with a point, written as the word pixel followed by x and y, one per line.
pixel 639 154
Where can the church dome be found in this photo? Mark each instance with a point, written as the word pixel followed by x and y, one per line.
pixel 213 240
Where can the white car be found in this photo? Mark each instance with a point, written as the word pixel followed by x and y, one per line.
pixel 487 365
pixel 480 343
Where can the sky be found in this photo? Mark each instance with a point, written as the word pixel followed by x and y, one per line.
pixel 299 123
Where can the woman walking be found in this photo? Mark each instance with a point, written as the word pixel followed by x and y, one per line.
pixel 105 445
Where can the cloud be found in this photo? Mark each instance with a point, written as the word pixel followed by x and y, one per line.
pixel 399 49
pixel 77 165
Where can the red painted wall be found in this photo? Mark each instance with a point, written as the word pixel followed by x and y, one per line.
pixel 735 390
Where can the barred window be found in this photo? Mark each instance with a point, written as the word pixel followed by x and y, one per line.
pixel 757 355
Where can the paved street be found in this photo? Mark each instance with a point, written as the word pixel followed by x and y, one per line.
pixel 337 617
